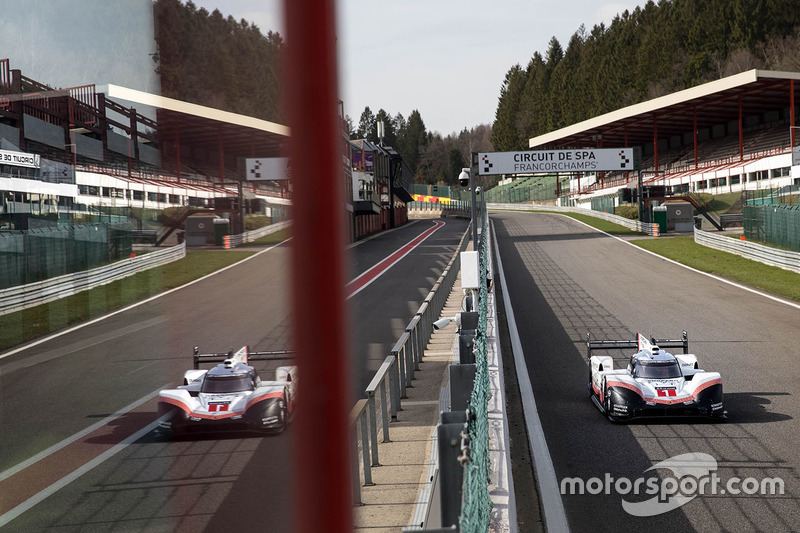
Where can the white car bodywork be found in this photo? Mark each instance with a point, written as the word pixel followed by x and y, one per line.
pixel 654 382
pixel 230 396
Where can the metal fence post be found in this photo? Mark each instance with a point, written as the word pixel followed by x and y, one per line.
pixel 373 427
pixel 394 387
pixel 384 410
pixel 356 475
pixel 365 452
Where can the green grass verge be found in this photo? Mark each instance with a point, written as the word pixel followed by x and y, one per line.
pixel 603 225
pixel 599 223
pixel 272 238
pixel 684 250
pixel 723 202
pixel 22 326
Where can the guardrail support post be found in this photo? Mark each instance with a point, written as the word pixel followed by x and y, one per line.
pixel 384 411
pixel 355 477
pixel 373 428
pixel 365 452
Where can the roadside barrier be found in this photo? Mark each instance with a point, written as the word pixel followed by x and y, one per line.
pixel 232 241
pixel 762 253
pixel 32 294
pixel 381 405
pixel 644 227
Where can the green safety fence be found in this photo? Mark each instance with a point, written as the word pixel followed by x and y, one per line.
pixel 537 189
pixel 778 225
pixel 603 204
pixel 28 256
pixel 476 506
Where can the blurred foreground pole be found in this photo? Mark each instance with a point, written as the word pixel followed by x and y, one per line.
pixel 321 453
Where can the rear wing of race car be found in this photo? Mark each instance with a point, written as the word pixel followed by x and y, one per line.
pixel 242 355
pixel 640 343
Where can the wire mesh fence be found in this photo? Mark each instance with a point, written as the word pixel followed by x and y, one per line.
pixel 37 254
pixel 772 216
pixel 477 505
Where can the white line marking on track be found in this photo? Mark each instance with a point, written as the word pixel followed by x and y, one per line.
pixel 712 276
pixel 55 487
pixel 555 517
pixel 137 304
pixel 365 279
pixel 380 234
pixel 69 440
pixel 75 474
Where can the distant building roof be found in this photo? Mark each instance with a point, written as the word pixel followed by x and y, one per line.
pixel 710 104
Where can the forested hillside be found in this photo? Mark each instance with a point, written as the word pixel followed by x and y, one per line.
pixel 208 59
pixel 211 60
pixel 652 51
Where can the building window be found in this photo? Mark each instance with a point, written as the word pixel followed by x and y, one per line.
pixel 721 182
pixel 735 179
pixel 780 172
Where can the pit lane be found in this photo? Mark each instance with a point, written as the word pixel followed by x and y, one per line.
pixel 216 482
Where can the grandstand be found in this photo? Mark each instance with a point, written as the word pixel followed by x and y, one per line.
pixel 728 135
pixel 112 149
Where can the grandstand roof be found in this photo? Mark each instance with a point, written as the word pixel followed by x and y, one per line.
pixel 206 127
pixel 713 103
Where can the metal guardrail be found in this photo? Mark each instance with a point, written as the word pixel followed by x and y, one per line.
pixel 232 241
pixel 398 368
pixel 750 250
pixel 644 227
pixel 40 292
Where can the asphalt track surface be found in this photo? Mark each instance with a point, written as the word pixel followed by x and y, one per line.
pixel 565 279
pixel 52 391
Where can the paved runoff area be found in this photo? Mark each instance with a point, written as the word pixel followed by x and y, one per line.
pixel 398 499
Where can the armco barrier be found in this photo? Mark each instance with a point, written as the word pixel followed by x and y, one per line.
pixel 32 294
pixel 644 227
pixel 40 292
pixel 750 250
pixel 232 241
pixel 398 369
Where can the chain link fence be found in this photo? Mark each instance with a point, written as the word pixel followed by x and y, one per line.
pixel 27 256
pixel 772 216
pixel 477 505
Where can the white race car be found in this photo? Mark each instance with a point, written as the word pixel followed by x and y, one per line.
pixel 230 396
pixel 655 383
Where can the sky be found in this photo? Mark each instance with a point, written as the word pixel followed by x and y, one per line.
pixel 445 58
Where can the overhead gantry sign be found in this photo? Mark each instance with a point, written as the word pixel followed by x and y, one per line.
pixel 535 161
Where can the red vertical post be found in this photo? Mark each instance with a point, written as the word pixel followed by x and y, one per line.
pixel 221 162
pixel 741 133
pixel 655 141
pixel 178 153
pixel 322 488
pixel 791 114
pixel 694 135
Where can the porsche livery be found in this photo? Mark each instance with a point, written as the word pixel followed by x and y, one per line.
pixel 655 383
pixel 230 396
